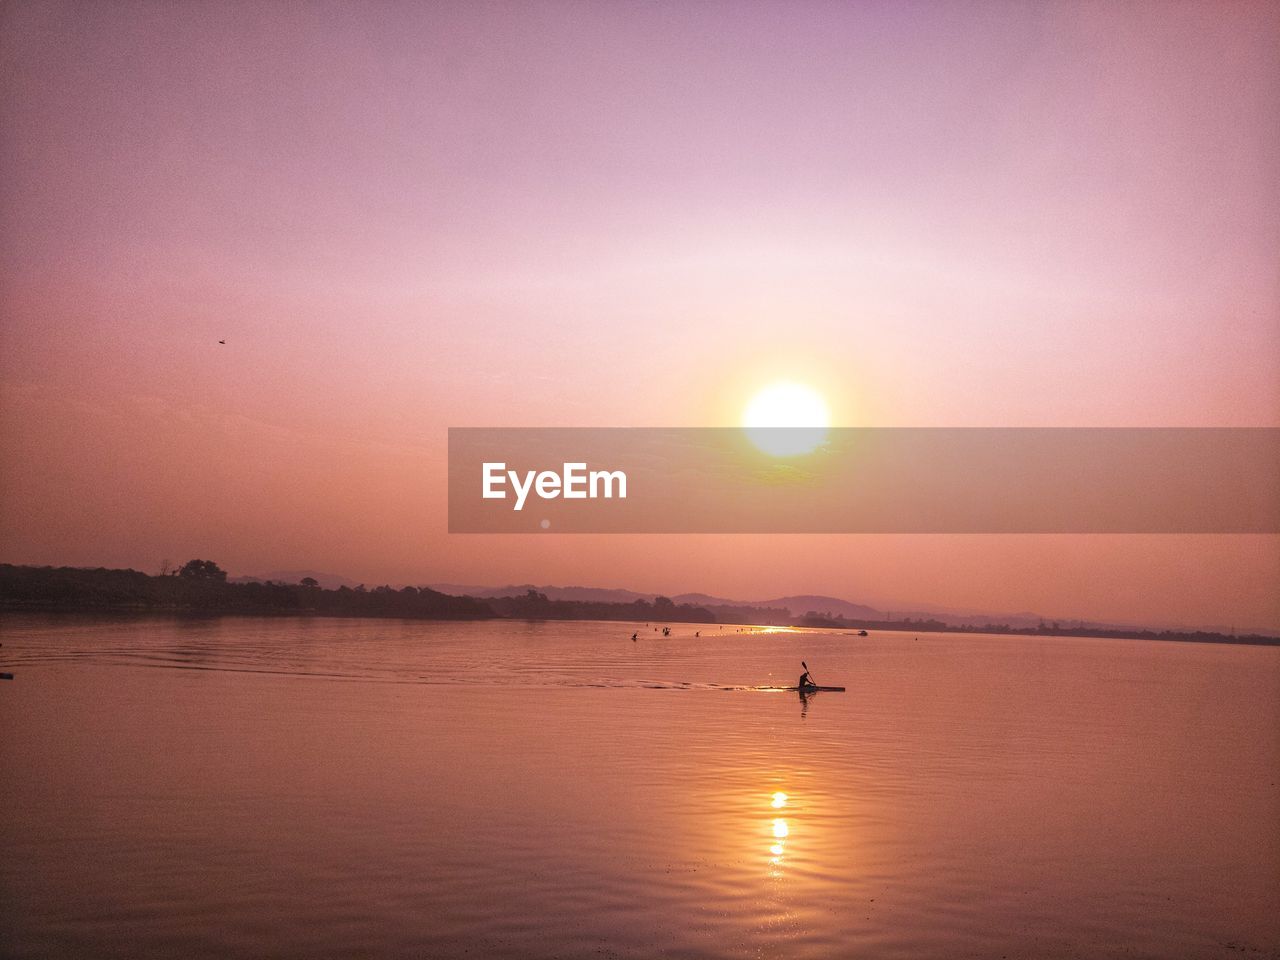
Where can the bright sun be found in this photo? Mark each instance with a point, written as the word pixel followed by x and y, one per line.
pixel 793 406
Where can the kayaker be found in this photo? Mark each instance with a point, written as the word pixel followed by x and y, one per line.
pixel 805 680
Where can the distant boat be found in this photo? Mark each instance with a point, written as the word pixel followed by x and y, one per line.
pixel 862 633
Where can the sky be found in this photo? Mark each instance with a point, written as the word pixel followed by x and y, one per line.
pixel 406 217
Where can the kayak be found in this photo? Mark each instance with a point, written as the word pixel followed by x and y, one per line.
pixel 804 689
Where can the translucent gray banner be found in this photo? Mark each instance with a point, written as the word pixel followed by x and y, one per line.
pixel 864 480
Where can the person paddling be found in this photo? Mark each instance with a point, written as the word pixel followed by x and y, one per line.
pixel 805 679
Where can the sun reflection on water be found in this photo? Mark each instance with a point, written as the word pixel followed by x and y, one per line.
pixel 780 830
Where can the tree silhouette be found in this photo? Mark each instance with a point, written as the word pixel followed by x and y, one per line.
pixel 202 570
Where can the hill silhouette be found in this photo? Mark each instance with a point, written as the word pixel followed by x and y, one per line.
pixel 201 586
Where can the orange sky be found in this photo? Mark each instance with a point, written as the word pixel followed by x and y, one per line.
pixel 408 218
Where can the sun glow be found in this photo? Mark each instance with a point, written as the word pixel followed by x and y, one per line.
pixel 786 419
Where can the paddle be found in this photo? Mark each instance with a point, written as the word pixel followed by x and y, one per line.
pixel 806 670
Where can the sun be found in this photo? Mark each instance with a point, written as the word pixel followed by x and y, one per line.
pixel 786 419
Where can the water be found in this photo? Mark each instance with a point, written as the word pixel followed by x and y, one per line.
pixel 328 788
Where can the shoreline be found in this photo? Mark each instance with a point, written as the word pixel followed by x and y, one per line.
pixel 141 612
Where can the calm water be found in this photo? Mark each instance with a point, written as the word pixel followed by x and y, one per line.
pixel 325 788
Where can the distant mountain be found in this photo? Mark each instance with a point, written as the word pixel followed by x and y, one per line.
pixel 797 606
pixel 802 604
pixel 330 581
pixel 705 600
pixel 592 594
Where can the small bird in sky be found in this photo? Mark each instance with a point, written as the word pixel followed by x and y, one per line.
pixel 222 341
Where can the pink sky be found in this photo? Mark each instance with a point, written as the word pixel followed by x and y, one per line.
pixel 403 217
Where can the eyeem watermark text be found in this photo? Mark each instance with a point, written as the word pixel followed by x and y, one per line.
pixel 574 482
